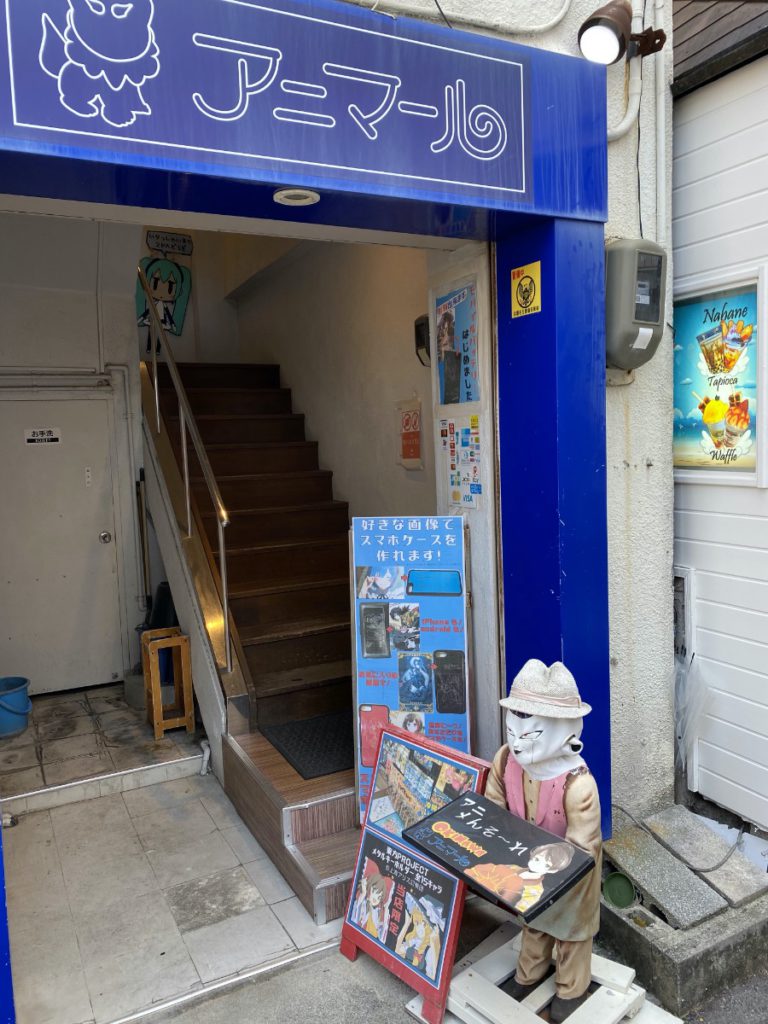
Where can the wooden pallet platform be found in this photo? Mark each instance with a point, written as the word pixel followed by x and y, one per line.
pixel 476 998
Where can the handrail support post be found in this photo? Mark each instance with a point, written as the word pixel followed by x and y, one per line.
pixel 188 428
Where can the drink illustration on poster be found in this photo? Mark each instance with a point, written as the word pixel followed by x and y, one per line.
pixel 716 403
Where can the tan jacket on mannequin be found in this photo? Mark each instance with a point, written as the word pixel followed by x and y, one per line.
pixel 575 916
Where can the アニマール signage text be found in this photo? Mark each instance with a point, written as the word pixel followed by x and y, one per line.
pixel 270 86
pixel 316 93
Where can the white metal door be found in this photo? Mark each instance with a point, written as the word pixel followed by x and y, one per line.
pixel 59 603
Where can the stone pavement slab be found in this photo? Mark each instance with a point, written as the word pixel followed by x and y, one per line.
pixel 685 835
pixel 666 883
pixel 217 897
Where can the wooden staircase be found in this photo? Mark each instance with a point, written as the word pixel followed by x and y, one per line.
pixel 288 586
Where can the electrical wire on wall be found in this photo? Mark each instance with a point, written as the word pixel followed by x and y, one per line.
pixel 495 26
pixel 639 136
pixel 442 14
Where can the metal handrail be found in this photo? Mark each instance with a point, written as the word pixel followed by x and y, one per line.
pixel 189 427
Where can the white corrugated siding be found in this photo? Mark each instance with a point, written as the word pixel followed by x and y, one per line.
pixel 720 223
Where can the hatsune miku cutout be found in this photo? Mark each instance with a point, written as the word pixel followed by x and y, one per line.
pixel 102 58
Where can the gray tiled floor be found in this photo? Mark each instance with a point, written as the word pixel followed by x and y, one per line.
pixel 80 734
pixel 124 901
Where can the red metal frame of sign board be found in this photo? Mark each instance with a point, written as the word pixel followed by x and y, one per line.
pixel 435 995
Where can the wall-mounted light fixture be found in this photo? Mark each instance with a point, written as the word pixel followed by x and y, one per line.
pixel 607 35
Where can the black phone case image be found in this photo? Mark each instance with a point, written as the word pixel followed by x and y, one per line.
pixel 374 630
pixel 450 682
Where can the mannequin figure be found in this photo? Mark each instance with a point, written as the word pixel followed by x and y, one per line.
pixel 539 775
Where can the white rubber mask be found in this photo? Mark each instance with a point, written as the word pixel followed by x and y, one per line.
pixel 545 747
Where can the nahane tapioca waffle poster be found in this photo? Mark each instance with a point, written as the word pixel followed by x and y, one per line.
pixel 715 393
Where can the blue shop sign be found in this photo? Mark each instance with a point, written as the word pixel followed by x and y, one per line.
pixel 313 92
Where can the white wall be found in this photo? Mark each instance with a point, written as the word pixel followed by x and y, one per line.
pixel 220 263
pixel 67 301
pixel 721 228
pixel 49 307
pixel 339 321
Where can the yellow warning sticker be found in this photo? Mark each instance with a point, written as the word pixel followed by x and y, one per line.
pixel 526 289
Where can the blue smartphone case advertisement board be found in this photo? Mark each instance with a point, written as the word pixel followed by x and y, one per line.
pixel 716 401
pixel 410 633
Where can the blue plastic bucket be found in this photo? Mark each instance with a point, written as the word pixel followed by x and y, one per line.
pixel 15 705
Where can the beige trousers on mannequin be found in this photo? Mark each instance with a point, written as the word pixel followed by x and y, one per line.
pixel 573 968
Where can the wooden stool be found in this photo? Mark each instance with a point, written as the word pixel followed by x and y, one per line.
pixel 181 712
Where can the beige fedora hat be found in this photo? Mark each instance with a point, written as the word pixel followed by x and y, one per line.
pixel 551 692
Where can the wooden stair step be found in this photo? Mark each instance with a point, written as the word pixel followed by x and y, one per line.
pixel 266 457
pixel 243 590
pixel 251 636
pixel 328 863
pixel 248 490
pixel 297 652
pixel 257 607
pixel 224 375
pixel 230 400
pixel 284 794
pixel 268 510
pixel 332 856
pixel 282 523
pixel 224 428
pixel 271 684
pixel 289 560
pixel 288 815
pixel 286 545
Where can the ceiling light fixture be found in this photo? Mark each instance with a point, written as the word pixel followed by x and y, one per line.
pixel 606 36
pixel 296 197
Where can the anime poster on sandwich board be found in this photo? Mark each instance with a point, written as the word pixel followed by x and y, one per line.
pixel 410 650
pixel 404 909
pixel 715 381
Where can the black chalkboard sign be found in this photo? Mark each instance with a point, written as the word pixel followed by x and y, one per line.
pixel 509 861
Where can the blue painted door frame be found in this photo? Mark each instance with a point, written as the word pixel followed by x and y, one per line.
pixel 551 373
pixel 7 1015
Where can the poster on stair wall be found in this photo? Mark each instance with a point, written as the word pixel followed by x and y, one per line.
pixel 456 328
pixel 410 633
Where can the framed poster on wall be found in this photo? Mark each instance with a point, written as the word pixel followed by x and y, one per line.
pixel 404 909
pixel 410 648
pixel 718 368
pixel 455 315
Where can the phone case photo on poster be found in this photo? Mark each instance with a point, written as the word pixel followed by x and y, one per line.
pixel 415 682
pixel 374 630
pixel 450 682
pixel 373 718
pixel 434 582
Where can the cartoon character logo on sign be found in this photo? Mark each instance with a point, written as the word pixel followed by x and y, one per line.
pixel 102 58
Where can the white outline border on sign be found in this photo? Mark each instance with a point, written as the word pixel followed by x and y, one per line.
pixel 289 160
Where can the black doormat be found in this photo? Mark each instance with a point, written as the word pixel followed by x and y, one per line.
pixel 315 746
